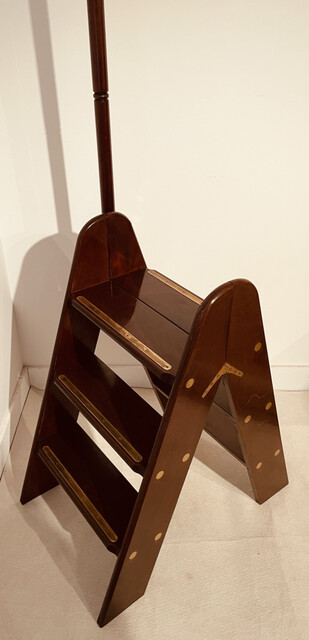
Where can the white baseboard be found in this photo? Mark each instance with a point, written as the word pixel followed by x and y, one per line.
pixel 290 377
pixel 38 377
pixel 285 377
pixel 10 422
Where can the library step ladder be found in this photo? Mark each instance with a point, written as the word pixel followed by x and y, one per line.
pixel 196 352
pixel 206 360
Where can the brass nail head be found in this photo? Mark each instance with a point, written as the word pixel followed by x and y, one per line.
pixel 159 475
pixel 133 555
pixel 190 383
pixel 269 404
pixel 258 466
pixel 247 419
pixel 277 452
pixel 185 457
pixel 158 536
pixel 258 346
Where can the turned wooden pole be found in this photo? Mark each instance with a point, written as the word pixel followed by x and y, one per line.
pixel 100 93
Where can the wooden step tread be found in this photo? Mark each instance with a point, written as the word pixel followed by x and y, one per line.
pixel 125 420
pixel 153 339
pixel 165 296
pixel 101 493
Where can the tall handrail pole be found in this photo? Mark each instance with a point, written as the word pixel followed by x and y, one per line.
pixel 97 38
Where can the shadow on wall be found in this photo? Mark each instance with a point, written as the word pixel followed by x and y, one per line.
pixel 38 301
pixel 40 293
pixel 41 286
pixel 10 366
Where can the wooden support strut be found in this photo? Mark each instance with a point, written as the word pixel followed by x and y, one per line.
pixel 101 101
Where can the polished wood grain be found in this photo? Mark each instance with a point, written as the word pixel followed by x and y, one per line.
pixel 125 253
pixel 174 449
pixel 75 491
pixel 223 356
pixel 94 484
pixel 96 22
pixel 151 329
pixel 158 295
pixel 90 410
pixel 253 402
pixel 105 320
pixel 223 428
pixel 207 361
pixel 90 267
pixel 175 286
pixel 133 420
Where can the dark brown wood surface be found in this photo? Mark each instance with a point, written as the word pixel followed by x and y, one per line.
pixel 174 449
pixel 92 240
pixel 161 297
pixel 217 355
pixel 223 428
pixel 97 37
pixel 217 377
pixel 90 267
pixel 253 400
pixel 152 329
pixel 133 420
pixel 112 496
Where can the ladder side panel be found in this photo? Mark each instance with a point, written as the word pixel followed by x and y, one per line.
pixel 180 430
pixel 252 397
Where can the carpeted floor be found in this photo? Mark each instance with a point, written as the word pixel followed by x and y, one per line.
pixel 229 569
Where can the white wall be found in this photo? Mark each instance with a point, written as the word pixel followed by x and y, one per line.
pixel 210 129
pixel 6 384
pixel 10 368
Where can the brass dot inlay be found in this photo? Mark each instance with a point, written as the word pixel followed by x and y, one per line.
pixel 247 419
pixel 158 536
pixel 258 466
pixel 277 452
pixel 258 346
pixel 185 457
pixel 159 475
pixel 133 555
pixel 190 383
pixel 269 404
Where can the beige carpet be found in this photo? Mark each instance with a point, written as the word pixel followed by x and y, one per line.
pixel 229 569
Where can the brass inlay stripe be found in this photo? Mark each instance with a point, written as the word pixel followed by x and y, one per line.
pixel 176 286
pixel 65 477
pixel 124 333
pixel 106 424
pixel 226 368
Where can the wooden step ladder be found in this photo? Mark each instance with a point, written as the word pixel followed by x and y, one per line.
pixel 206 359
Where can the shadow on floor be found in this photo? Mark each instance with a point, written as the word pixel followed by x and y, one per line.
pixel 221 462
pixel 74 548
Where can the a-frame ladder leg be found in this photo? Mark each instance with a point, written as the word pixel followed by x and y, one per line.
pixel 72 327
pixel 228 322
pixel 38 478
pixel 180 431
pixel 252 396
